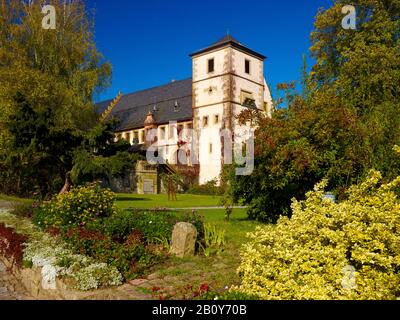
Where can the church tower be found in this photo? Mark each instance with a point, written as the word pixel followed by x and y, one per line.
pixel 227 78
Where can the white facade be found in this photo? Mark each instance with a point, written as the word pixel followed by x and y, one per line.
pixel 218 96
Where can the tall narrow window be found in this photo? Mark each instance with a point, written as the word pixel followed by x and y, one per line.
pixel 210 65
pixel 210 147
pixel 205 121
pixel 247 66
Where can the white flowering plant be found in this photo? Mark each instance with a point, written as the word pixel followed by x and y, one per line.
pixel 55 256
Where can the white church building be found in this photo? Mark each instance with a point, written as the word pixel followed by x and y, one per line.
pixel 190 115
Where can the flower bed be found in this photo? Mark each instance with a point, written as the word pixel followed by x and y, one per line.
pixel 58 258
pixel 89 224
pixel 82 237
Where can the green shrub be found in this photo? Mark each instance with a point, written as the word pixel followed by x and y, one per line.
pixel 349 250
pixel 209 188
pixel 154 224
pixel 77 207
pixel 197 220
pixel 124 256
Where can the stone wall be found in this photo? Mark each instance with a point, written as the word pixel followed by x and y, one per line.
pixel 143 179
pixel 32 282
pixel 125 184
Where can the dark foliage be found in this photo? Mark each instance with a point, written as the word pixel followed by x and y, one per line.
pixel 11 244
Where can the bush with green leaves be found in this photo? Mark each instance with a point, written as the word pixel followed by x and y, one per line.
pixel 130 256
pixel 209 188
pixel 79 206
pixel 154 224
pixel 327 250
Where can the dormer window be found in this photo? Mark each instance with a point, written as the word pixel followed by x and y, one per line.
pixel 247 66
pixel 176 106
pixel 210 66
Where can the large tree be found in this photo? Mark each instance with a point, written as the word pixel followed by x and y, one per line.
pixel 345 123
pixel 48 79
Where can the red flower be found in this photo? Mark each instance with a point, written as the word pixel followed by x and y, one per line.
pixel 204 287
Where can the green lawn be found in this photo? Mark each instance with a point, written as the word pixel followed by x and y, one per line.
pixel 218 270
pixel 235 229
pixel 128 200
pixel 15 199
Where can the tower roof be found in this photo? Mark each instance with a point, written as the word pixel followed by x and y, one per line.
pixel 228 40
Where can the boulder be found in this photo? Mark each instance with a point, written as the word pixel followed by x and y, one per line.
pixel 183 239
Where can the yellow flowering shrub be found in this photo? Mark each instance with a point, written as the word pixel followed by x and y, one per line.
pixel 327 250
pixel 77 207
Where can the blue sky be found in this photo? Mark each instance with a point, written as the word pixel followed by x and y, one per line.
pixel 148 42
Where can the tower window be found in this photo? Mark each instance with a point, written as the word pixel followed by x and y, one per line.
pixel 210 147
pixel 210 65
pixel 247 66
pixel 216 119
pixel 205 121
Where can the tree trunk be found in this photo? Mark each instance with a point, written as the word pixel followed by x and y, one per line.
pixel 67 183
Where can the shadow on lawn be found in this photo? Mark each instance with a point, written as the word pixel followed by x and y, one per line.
pixel 132 199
